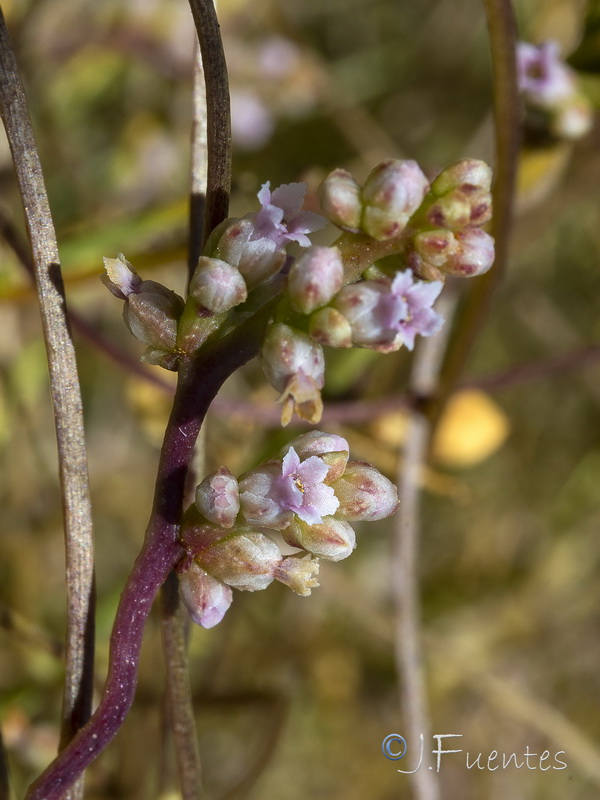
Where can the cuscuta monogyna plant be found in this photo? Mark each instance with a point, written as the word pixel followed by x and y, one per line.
pixel 375 288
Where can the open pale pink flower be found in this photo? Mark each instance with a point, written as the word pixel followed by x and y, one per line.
pixel 384 315
pixel 272 494
pixel 543 78
pixel 281 218
pixel 408 308
pixel 301 488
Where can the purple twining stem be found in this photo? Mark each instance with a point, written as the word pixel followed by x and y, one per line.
pixel 199 382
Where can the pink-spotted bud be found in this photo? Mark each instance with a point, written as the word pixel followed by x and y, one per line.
pixel 243 559
pixel 470 175
pixel 333 539
pixel 364 493
pixel 392 193
pixel 256 257
pixel 473 256
pixel 206 598
pixel 217 285
pixel 298 574
pixel 295 366
pixel 314 278
pixel 329 447
pixel 218 498
pixel 435 247
pixel 461 196
pixel 340 200
pixel 260 505
pixel 329 327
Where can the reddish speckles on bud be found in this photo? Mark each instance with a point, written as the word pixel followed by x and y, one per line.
pixel 340 199
pixel 314 278
pixel 392 193
pixel 218 498
pixel 329 327
pixel 364 493
pixel 256 258
pixel 460 196
pixel 217 285
pixel 243 558
pixel 474 254
pixel 295 366
pixel 469 175
pixel 333 539
pixel 435 247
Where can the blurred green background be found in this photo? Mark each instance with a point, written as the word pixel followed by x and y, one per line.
pixel 294 696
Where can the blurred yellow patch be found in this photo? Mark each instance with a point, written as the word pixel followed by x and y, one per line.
pixel 151 404
pixel 540 169
pixel 471 429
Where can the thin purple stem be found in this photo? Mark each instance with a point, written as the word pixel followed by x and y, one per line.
pixel 199 382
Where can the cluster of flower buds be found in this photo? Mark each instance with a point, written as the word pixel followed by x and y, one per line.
pixel 339 296
pixel 308 496
pixel 433 229
pixel 554 103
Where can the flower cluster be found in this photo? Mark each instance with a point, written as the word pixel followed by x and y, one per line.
pixel 431 230
pixel 375 288
pixel 553 101
pixel 308 496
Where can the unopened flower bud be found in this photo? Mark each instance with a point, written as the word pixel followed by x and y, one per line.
pixel 298 574
pixel 258 504
pixel 364 493
pixel 206 598
pixel 340 200
pixel 151 311
pixel 435 247
pixel 360 303
pixel 333 539
pixel 295 366
pixel 152 315
pixel 218 498
pixel 314 278
pixel 244 559
pixel 453 210
pixel 469 175
pixel 256 258
pixel 330 327
pixel 474 254
pixel 392 193
pixel 329 447
pixel 217 285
